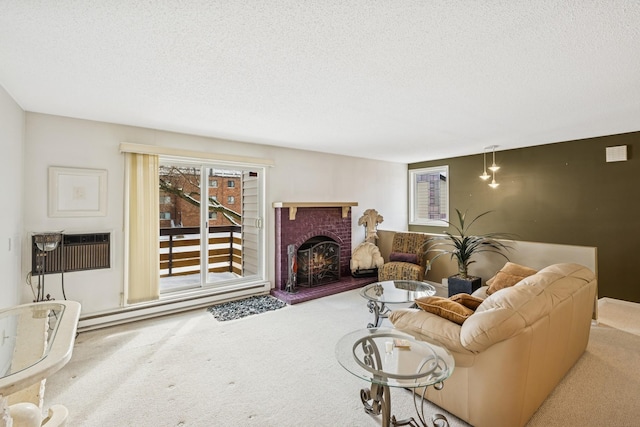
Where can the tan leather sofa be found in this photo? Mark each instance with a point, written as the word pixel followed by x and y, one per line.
pixel 513 351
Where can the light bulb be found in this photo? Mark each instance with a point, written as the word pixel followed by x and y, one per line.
pixel 494 184
pixel 494 167
pixel 485 176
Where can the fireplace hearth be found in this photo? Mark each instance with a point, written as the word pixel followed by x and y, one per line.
pixel 326 229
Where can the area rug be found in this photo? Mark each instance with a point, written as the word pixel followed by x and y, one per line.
pixel 246 307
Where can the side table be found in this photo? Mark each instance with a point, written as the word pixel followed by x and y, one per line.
pixel 388 358
pixel 380 294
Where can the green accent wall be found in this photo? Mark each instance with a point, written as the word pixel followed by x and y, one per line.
pixel 562 193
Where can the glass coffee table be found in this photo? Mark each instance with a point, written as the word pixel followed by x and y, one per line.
pixel 380 294
pixel 387 358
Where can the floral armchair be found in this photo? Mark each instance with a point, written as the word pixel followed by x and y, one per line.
pixel 406 260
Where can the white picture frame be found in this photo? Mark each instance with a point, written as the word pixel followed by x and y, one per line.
pixel 76 192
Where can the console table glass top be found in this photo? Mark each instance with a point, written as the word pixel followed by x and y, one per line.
pixel 45 315
pixel 37 340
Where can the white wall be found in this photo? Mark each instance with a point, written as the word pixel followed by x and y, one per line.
pixel 297 176
pixel 11 172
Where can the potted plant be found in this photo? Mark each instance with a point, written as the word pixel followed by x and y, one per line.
pixel 463 247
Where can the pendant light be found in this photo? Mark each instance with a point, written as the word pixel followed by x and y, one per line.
pixel 494 167
pixel 485 176
pixel 493 183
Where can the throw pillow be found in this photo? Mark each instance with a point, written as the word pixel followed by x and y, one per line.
pixel 403 257
pixel 445 308
pixel 467 300
pixel 508 275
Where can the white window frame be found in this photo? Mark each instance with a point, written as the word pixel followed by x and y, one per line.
pixel 416 213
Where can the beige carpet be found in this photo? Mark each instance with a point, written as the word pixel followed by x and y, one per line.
pixel 279 369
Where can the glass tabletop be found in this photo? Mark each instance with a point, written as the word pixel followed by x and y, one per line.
pixel 42 318
pixel 389 357
pixel 397 291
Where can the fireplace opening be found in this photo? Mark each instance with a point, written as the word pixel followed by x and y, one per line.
pixel 318 262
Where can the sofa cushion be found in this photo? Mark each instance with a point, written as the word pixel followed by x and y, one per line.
pixel 508 276
pixel 403 257
pixel 446 308
pixel 467 300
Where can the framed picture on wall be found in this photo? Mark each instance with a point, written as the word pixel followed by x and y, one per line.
pixel 76 192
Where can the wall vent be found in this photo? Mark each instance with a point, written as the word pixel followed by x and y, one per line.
pixel 616 154
pixel 77 252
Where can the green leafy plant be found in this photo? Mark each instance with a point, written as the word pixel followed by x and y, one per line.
pixel 463 246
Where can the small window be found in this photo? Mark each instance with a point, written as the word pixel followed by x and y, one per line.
pixel 165 215
pixel 231 200
pixel 165 200
pixel 213 183
pixel 429 196
pixel 213 215
pixel 231 183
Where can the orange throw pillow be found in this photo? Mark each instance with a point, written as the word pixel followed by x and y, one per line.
pixel 445 308
pixel 467 300
pixel 508 275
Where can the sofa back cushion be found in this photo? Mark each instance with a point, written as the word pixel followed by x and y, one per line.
pixel 506 313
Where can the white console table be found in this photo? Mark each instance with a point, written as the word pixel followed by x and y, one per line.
pixel 36 340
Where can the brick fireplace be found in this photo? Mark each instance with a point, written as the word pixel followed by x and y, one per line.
pixel 297 223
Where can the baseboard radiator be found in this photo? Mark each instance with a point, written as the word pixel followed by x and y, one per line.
pixel 198 299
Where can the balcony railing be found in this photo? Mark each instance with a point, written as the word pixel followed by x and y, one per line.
pixel 180 250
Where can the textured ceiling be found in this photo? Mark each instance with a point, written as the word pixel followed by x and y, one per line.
pixel 396 80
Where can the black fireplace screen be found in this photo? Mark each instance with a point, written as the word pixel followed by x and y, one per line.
pixel 318 262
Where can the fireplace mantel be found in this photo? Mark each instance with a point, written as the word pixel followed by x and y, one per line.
pixel 293 206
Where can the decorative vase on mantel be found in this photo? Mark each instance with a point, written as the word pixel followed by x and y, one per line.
pixel 460 285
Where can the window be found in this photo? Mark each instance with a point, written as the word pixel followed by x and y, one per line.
pixel 429 196
pixel 213 183
pixel 231 200
pixel 213 215
pixel 165 215
pixel 231 183
pixel 165 200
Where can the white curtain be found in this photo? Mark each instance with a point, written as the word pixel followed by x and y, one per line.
pixel 143 229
